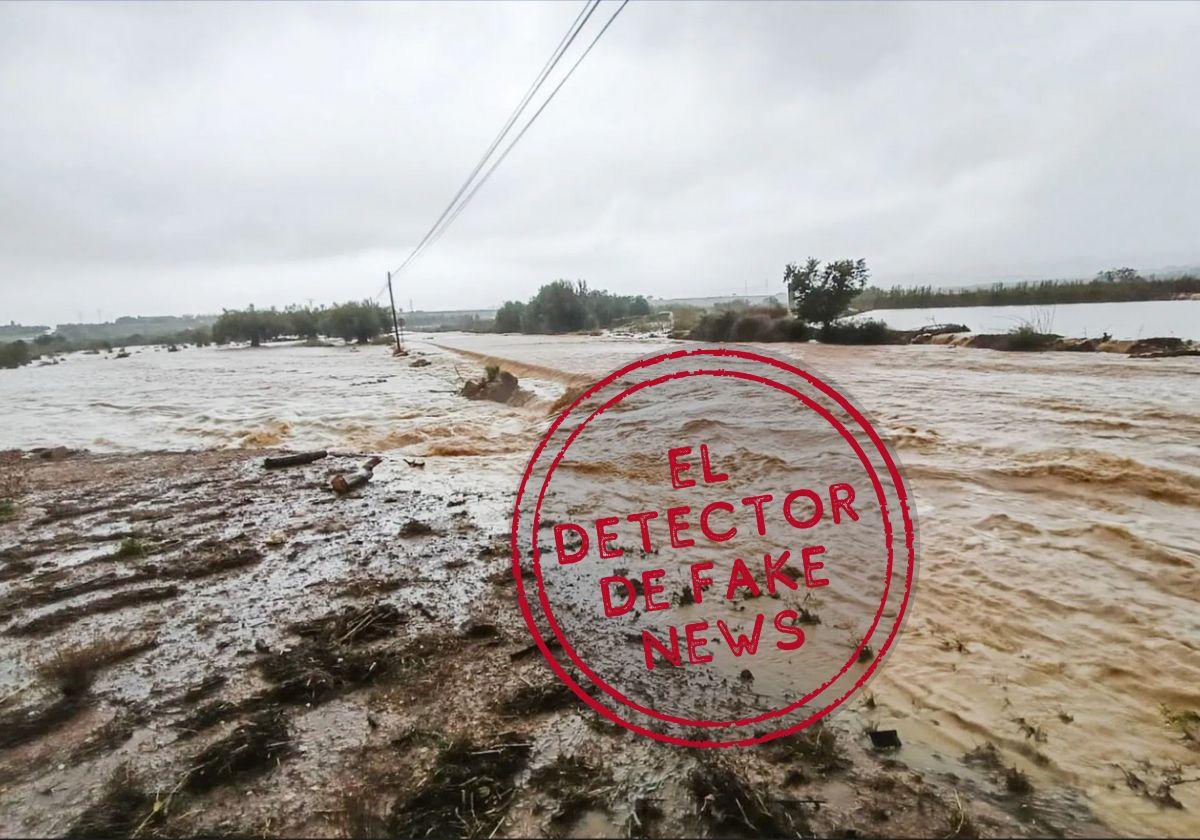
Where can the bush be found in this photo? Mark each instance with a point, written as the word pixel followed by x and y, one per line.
pixel 750 324
pixel 1025 337
pixel 14 354
pixel 857 332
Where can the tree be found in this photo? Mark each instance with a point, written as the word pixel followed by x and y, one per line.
pixel 509 317
pixel 563 306
pixel 359 322
pixel 822 294
pixel 303 321
pixel 253 325
pixel 558 307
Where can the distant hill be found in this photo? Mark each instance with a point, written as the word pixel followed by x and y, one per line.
pixel 126 326
pixel 14 331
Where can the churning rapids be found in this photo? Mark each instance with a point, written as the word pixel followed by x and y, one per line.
pixel 1058 493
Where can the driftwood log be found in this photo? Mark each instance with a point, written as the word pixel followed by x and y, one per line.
pixel 344 483
pixel 293 460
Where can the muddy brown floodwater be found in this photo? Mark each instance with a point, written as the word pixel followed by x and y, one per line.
pixel 193 644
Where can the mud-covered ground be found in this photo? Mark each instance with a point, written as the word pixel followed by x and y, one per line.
pixel 192 644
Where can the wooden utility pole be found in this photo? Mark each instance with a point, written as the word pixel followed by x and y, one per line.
pixel 395 321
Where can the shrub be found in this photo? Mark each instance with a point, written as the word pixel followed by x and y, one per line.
pixel 757 324
pixel 14 354
pixel 1025 337
pixel 857 332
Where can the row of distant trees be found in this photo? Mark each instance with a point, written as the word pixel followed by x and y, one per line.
pixel 1118 284
pixel 563 306
pixel 356 322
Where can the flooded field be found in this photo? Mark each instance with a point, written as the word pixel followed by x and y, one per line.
pixel 1124 320
pixel 1045 682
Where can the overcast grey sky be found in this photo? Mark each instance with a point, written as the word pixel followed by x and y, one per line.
pixel 175 158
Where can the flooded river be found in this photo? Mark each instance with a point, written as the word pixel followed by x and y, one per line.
pixel 1056 612
pixel 1125 320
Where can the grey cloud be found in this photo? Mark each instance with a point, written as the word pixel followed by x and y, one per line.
pixel 174 157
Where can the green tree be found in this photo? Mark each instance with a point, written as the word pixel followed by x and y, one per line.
pixel 14 354
pixel 822 294
pixel 510 317
pixel 303 321
pixel 358 322
pixel 558 307
pixel 250 324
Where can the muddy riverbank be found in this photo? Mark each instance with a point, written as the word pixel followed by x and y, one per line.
pixel 196 645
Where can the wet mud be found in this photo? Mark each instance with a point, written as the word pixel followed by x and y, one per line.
pixel 306 664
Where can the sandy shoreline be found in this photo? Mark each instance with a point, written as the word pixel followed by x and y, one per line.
pixel 285 662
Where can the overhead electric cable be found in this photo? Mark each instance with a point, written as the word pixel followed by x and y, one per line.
pixel 517 139
pixel 568 38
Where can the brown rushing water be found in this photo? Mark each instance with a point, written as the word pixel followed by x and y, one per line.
pixel 1056 610
pixel 1057 495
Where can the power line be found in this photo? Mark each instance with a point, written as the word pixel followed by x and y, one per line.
pixel 521 134
pixel 568 38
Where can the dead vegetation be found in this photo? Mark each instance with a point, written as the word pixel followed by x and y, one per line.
pixel 12 486
pixel 730 806
pixel 815 748
pixel 537 699
pixel 1159 791
pixel 122 808
pixel 352 625
pixel 415 528
pixel 322 668
pixel 212 557
pixel 1017 782
pixel 20 726
pixel 47 593
pixel 359 814
pixel 253 746
pixel 72 669
pixel 575 786
pixel 118 601
pixel 467 792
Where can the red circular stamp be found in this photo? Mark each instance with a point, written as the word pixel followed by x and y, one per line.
pixel 713 547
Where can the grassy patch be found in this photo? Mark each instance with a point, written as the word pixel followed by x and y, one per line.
pixel 130 547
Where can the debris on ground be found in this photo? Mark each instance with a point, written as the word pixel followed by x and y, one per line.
pixel 343 483
pixel 496 385
pixel 466 794
pixel 277 461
